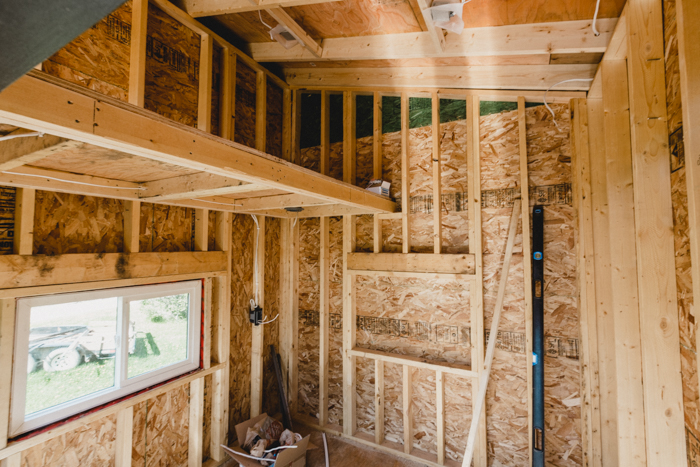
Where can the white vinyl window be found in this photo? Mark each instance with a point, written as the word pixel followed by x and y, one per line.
pixel 77 351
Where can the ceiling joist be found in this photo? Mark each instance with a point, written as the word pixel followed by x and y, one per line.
pixel 565 37
pixel 297 31
pixel 530 77
pixel 195 186
pixel 198 8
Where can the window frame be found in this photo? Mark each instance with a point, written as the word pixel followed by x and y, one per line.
pixel 123 386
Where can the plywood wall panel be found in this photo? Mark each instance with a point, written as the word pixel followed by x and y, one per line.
pixel 67 223
pixel 309 269
pixel 138 450
pixel 365 395
pixel 167 428
pixel 458 415
pixel 242 247
pixel 244 128
pixel 271 334
pixel 216 82
pixel 166 228
pixel 172 68
pixel 335 336
pixel 99 58
pixel 93 445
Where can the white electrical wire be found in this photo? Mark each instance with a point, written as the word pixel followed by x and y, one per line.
pixel 22 135
pixel 263 22
pixel 281 447
pixel 595 18
pixel 77 183
pixel 325 448
pixel 254 302
pixel 554 118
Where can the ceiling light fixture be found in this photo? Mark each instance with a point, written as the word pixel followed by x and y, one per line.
pixel 447 14
pixel 281 34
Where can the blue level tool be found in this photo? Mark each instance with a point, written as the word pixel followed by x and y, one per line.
pixel 537 336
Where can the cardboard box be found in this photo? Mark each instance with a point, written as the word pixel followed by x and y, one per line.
pixel 379 187
pixel 287 458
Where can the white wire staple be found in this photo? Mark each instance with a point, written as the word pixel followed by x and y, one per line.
pixel 22 135
pixel 75 182
pixel 595 18
pixel 554 118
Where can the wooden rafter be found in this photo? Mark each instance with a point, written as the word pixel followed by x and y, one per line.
pixel 565 37
pixel 296 30
pixel 198 8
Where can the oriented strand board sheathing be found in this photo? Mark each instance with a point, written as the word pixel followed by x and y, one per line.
pixel 99 58
pixel 92 445
pixel 206 432
pixel 365 233
pixel 271 310
pixel 244 127
pixel 424 410
pixel 308 352
pixel 274 119
pixel 108 163
pixel 365 395
pixel 243 242
pixel 67 223
pixel 364 159
pixel 673 79
pixel 167 428
pixel 458 415
pixel 166 228
pixel 172 68
pixel 393 402
pixel 138 440
pixel 500 166
pixel 549 163
pixel 7 219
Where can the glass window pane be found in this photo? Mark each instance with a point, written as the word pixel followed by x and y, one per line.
pixel 158 332
pixel 71 351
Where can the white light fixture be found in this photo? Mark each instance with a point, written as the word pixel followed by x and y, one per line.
pixel 447 14
pixel 282 35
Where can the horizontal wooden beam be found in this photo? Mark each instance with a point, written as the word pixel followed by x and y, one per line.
pixel 319 211
pixel 46 103
pixel 33 271
pixel 412 262
pixel 200 185
pixel 297 31
pixel 275 202
pixel 416 362
pixel 563 37
pixel 198 8
pixel 495 77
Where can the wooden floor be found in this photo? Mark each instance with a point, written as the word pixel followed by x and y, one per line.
pixel 343 453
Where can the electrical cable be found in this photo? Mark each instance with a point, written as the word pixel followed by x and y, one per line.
pixel 595 18
pixel 263 22
pixel 554 119
pixel 325 448
pixel 256 284
pixel 75 182
pixel 281 447
pixel 21 135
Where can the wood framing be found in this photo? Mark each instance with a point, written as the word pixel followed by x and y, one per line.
pixel 628 357
pixel 296 30
pixel 23 271
pixel 28 149
pixel 195 440
pixel 137 58
pixel 7 340
pixel 407 388
pixel 437 176
pixel 349 334
pixel 437 35
pixel 405 177
pixel 198 8
pixel 261 112
pixel 378 401
pixel 23 239
pixel 289 307
pixel 349 139
pixel 325 163
pixel 653 213
pixel 572 37
pixel 124 438
pixel 132 226
pixel 205 77
pixel 412 262
pixel 257 345
pixel 415 362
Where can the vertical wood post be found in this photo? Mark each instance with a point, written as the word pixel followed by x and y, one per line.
pixel 437 176
pixel 7 340
pixel 132 226
pixel 201 229
pixel 256 357
pixel 124 437
pixel 206 55
pixel 325 165
pixel 228 82
pixel 324 295
pixel 349 141
pixel 196 438
pixel 349 333
pixel 261 111
pixel 377 162
pixel 440 412
pixel 137 54
pixel 407 409
pixel 296 127
pixel 378 401
pixel 287 125
pixel 653 213
pixel 405 177
pixel 25 200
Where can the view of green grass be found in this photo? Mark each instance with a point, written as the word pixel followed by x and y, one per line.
pixel 158 344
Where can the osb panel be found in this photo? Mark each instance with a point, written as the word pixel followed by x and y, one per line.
pixel 549 162
pixel 166 228
pixel 206 432
pixel 365 395
pixel 138 450
pixel 216 81
pixel 99 58
pixel 365 233
pixel 108 163
pixel 391 163
pixel 172 68
pixel 458 415
pixel 335 346
pixel 481 14
pixel 500 151
pixel 243 241
pixel 67 223
pixel 7 219
pixel 245 105
pixel 309 269
pixel 92 446
pixel 167 428
pixel 393 402
pixel 684 292
pixel 364 161
pixel 211 243
pixel 420 147
pixel 311 158
pixel 274 120
pixel 271 310
pixel 247 25
pixel 673 81
pixel 424 410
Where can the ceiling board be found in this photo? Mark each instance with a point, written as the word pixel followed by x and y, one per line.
pixel 576 59
pixel 108 163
